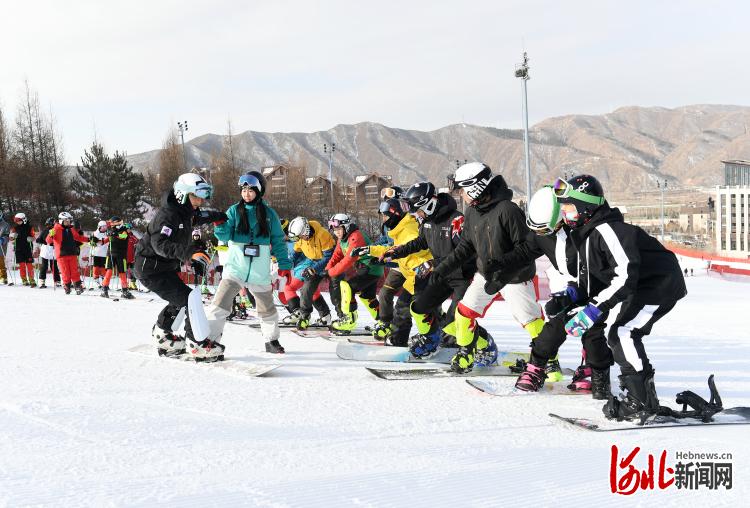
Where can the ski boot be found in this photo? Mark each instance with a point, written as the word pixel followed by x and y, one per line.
pixel 292 319
pixel 32 283
pixel 105 292
pixel 24 282
pixel 67 288
pixel 167 343
pixel 322 321
pixel 485 353
pixel 125 293
pixel 273 346
pixel 132 286
pixel 42 285
pixel 532 379
pixel 78 287
pixel 581 379
pixel 345 324
pixel 3 281
pixel 382 331
pixel 639 401
pixel 463 361
pixel 554 372
pixel 424 345
pixel 600 387
pixel 206 350
pixel 303 319
pixel 205 291
pixel 246 303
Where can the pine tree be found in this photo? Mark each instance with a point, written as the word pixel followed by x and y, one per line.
pixel 108 186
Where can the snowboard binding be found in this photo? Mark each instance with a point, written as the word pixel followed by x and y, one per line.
pixel 701 409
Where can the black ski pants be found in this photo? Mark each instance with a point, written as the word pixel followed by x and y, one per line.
pixel 362 283
pixel 49 264
pixel 431 298
pixel 169 287
pixel 548 342
pixel 307 293
pixel 392 284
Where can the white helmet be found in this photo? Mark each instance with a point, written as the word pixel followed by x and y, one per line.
pixel 191 183
pixel 63 216
pixel 20 218
pixel 473 178
pixel 544 212
pixel 298 228
pixel 341 220
pixel 102 224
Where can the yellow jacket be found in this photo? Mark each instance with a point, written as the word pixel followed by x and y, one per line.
pixel 405 231
pixel 320 241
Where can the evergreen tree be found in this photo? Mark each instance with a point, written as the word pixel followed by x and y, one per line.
pixel 107 186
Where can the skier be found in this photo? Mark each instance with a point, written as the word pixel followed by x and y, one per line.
pixel 253 233
pixel 313 248
pixel 551 238
pixel 493 226
pixel 4 235
pixel 66 239
pixel 160 252
pixel 22 235
pixel 99 249
pixel 47 256
pixel 620 266
pixel 117 257
pixel 344 284
pixel 402 228
pixel 440 232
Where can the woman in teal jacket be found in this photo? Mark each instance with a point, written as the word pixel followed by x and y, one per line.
pixel 253 234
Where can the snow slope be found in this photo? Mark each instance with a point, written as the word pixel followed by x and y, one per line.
pixel 84 423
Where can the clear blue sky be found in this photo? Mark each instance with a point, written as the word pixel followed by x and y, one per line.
pixel 130 70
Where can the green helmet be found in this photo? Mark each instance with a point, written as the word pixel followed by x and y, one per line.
pixel 191 183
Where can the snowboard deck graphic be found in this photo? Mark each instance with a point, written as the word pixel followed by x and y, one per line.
pixel 508 390
pixel 378 353
pixel 249 369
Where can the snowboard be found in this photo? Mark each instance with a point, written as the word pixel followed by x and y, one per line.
pixel 325 333
pixel 378 353
pixel 249 369
pixel 431 373
pixel 729 416
pixel 508 390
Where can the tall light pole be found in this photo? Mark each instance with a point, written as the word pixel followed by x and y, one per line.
pixel 183 126
pixel 330 166
pixel 662 188
pixel 522 71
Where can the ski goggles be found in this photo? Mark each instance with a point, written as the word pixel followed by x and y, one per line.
pixel 335 223
pixel 203 191
pixel 249 181
pixel 387 193
pixel 564 190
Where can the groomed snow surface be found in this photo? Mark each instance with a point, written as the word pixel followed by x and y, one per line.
pixel 85 423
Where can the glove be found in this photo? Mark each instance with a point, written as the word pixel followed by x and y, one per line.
pixel 52 232
pixel 214 216
pixel 360 251
pixel 583 320
pixel 287 274
pixel 323 274
pixel 309 273
pixel 201 259
pixel 389 255
pixel 93 240
pixel 562 301
pixel 424 269
pixel 123 235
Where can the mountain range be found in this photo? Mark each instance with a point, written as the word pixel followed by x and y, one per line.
pixel 627 149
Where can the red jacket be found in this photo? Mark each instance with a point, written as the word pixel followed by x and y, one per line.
pixel 56 239
pixel 340 262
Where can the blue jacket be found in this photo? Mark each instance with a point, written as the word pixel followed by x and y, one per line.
pixel 253 270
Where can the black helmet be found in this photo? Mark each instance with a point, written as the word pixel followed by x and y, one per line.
pixel 49 222
pixel 395 210
pixel 420 197
pixel 254 180
pixel 583 191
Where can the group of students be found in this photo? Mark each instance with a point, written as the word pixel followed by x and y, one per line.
pixel 433 252
pixel 57 245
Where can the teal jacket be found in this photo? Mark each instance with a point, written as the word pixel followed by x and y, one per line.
pixel 252 270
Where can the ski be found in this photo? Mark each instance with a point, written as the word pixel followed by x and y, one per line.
pixel 498 389
pixel 429 373
pixel 378 353
pixel 730 416
pixel 228 365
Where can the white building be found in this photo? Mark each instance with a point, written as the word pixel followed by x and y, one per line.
pixel 733 210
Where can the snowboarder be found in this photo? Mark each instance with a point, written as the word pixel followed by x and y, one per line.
pixel 345 284
pixel 493 226
pixel 313 248
pixel 253 234
pixel 160 252
pixel 624 269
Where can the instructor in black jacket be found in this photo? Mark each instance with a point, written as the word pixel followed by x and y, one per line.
pixel 160 253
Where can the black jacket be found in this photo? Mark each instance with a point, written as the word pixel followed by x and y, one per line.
pixel 168 240
pixel 21 244
pixel 118 247
pixel 440 233
pixel 619 261
pixel 491 229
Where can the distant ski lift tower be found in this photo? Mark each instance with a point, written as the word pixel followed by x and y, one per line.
pixel 522 71
pixel 330 167
pixel 183 126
